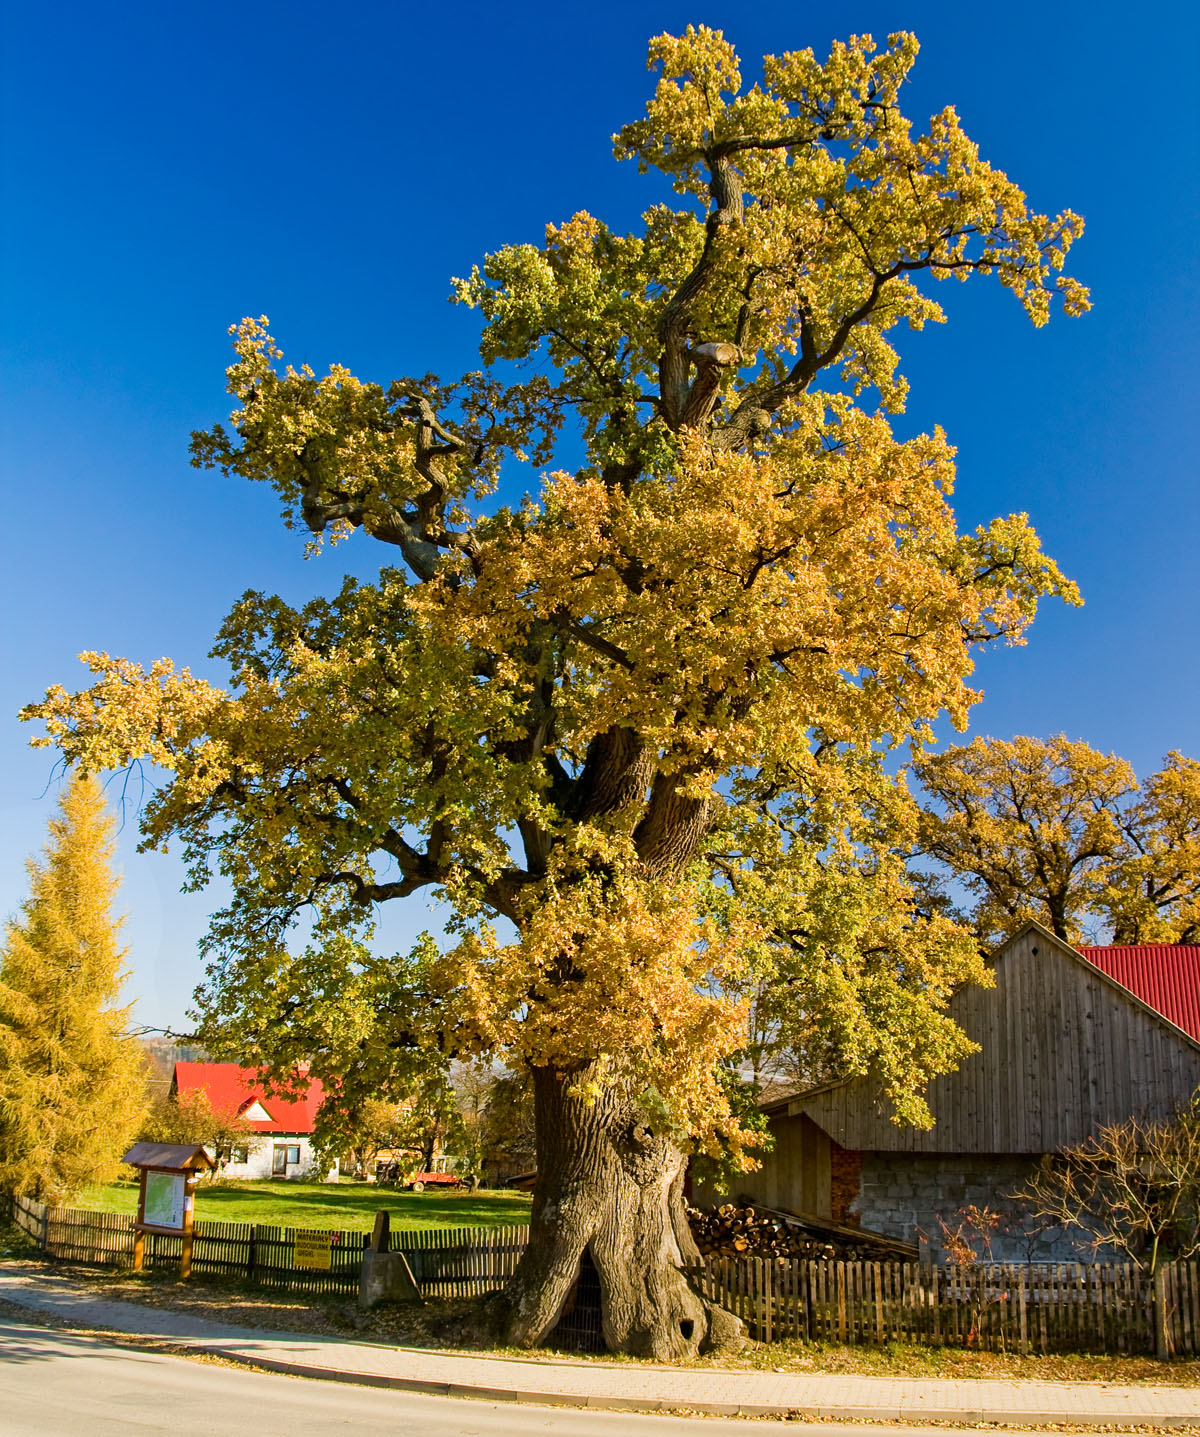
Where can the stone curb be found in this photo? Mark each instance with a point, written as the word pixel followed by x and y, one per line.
pixel 827 1412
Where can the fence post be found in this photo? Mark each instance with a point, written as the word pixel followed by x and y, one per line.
pixel 45 1239
pixel 1023 1309
pixel 252 1252
pixel 1162 1339
pixel 768 1297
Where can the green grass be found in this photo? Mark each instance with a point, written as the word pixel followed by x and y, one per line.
pixel 345 1206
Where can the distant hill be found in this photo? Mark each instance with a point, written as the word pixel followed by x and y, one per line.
pixel 161 1056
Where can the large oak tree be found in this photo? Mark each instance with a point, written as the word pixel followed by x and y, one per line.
pixel 633 729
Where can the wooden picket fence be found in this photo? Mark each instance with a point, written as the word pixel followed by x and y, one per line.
pixel 1037 1307
pixel 1042 1307
pixel 446 1262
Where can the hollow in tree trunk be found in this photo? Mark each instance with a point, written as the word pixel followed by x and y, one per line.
pixel 610 1184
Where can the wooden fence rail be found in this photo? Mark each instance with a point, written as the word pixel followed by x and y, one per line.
pixel 446 1262
pixel 1042 1307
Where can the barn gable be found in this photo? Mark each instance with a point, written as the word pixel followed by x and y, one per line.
pixel 1064 1049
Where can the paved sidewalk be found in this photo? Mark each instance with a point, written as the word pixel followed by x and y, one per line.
pixel 613 1385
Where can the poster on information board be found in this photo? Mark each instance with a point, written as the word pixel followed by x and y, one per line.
pixel 166 1195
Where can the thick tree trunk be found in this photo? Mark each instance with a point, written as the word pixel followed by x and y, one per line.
pixel 609 1184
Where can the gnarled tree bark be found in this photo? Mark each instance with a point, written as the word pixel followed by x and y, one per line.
pixel 610 1184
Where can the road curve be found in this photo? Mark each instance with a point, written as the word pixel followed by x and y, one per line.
pixel 64 1384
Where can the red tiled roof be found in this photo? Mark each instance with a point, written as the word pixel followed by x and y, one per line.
pixel 230 1086
pixel 1165 976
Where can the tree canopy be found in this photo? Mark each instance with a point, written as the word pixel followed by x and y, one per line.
pixel 632 729
pixel 1053 830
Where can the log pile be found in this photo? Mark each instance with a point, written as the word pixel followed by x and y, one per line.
pixel 733 1231
pixel 746 1229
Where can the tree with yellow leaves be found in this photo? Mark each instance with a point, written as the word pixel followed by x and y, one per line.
pixel 1030 827
pixel 1054 830
pixel 633 730
pixel 72 1083
pixel 1153 890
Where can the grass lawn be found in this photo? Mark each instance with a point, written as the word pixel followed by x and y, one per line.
pixel 346 1206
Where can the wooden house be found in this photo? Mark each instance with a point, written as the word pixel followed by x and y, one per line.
pixel 1069 1040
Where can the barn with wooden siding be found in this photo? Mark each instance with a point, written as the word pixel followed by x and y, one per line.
pixel 1064 1048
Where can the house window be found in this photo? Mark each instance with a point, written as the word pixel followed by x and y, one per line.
pixel 240 1153
pixel 293 1154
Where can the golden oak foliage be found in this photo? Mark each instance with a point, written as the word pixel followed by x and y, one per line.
pixel 1152 893
pixel 642 718
pixel 1052 830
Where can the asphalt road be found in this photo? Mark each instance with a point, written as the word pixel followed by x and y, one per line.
pixel 63 1384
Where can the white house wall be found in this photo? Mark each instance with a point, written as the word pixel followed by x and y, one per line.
pixel 261 1157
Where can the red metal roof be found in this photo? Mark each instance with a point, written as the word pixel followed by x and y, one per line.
pixel 1165 976
pixel 230 1086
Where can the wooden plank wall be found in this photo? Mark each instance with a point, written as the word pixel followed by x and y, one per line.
pixel 1063 1050
pixel 795 1173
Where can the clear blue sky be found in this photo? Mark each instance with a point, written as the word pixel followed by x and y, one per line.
pixel 168 169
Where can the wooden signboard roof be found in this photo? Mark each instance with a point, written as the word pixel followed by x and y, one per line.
pixel 168 1157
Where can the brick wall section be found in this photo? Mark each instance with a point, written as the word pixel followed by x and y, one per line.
pixel 905 1195
pixel 845 1173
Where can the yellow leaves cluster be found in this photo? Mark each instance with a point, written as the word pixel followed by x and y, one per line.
pixel 1152 893
pixel 130 714
pixel 616 983
pixel 321 443
pixel 1027 824
pixel 71 1076
pixel 726 610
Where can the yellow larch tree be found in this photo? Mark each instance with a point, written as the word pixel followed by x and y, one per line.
pixel 72 1079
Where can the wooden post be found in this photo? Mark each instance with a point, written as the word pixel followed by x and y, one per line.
pixel 1162 1338
pixel 841 1302
pixel 189 1224
pixel 1024 1312
pixel 139 1237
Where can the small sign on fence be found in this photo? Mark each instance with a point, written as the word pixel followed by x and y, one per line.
pixel 314 1250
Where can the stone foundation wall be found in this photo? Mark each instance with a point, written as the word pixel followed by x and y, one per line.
pixel 911 1197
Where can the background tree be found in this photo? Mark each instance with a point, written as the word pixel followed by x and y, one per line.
pixel 421 1124
pixel 1029 827
pixel 1153 890
pixel 508 1136
pixel 1053 830
pixel 192 1117
pixel 602 719
pixel 72 1079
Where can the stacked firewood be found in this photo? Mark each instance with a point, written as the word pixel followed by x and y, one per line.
pixel 730 1230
